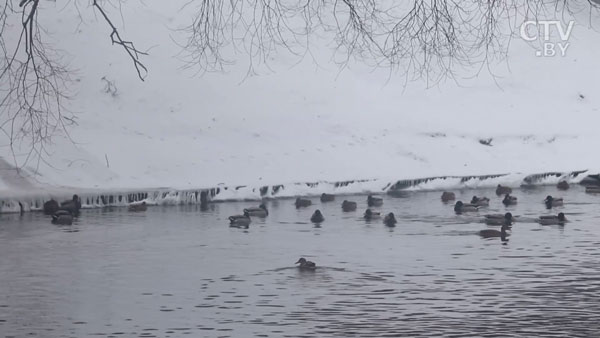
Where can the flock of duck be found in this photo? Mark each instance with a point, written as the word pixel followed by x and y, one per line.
pixel 63 213
pixel 243 220
pixel 505 221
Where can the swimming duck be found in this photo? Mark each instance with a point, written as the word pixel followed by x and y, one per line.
pixel 239 221
pixel 502 190
pixel 72 205
pixel 348 206
pixel 138 206
pixel 499 219
pixel 306 265
pixel 563 185
pixel 369 215
pixel 448 196
pixel 317 217
pixel 509 200
pixel 62 217
pixel 553 202
pixel 50 207
pixel 592 190
pixel 327 197
pixel 492 233
pixel 552 220
pixel 261 211
pixel 460 207
pixel 390 220
pixel 302 203
pixel 374 201
pixel 480 201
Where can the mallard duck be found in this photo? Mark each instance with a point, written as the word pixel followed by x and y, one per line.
pixel 448 196
pixel 72 205
pixel 306 265
pixel 317 217
pixel 592 190
pixel 509 200
pixel 50 207
pixel 62 217
pixel 502 190
pixel 369 215
pixel 261 211
pixel 327 197
pixel 460 207
pixel 348 206
pixel 390 220
pixel 302 203
pixel 499 219
pixel 492 233
pixel 553 202
pixel 239 221
pixel 374 201
pixel 480 201
pixel 552 220
pixel 563 185
pixel 138 206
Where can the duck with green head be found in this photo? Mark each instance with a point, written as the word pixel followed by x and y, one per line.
pixel 461 207
pixel 492 233
pixel 480 201
pixel 317 217
pixel 553 202
pixel 306 265
pixel 509 200
pixel 390 220
pixel 240 221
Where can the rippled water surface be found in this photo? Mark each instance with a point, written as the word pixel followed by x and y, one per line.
pixel 182 271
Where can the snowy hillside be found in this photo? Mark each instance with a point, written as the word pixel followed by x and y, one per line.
pixel 304 122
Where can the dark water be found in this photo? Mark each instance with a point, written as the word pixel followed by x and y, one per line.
pixel 181 271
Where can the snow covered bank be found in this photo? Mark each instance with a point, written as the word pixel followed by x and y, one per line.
pixel 34 201
pixel 306 123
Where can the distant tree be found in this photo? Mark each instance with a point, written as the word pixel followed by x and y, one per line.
pixel 427 39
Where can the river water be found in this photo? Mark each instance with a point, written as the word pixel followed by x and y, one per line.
pixel 183 272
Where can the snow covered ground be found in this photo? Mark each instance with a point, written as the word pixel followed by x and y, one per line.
pixel 306 122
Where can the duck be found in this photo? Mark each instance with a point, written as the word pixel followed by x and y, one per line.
pixel 563 185
pixel 302 202
pixel 390 220
pixel 499 219
pixel 239 221
pixel 327 197
pixel 374 201
pixel 492 233
pixel 460 207
pixel 553 202
pixel 348 206
pixel 448 196
pixel 502 190
pixel 73 205
pixel 592 190
pixel 62 217
pixel 138 206
pixel 317 217
pixel 306 265
pixel 480 201
pixel 370 214
pixel 50 207
pixel 261 211
pixel 552 220
pixel 509 200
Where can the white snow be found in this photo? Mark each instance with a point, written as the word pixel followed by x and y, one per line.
pixel 304 122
